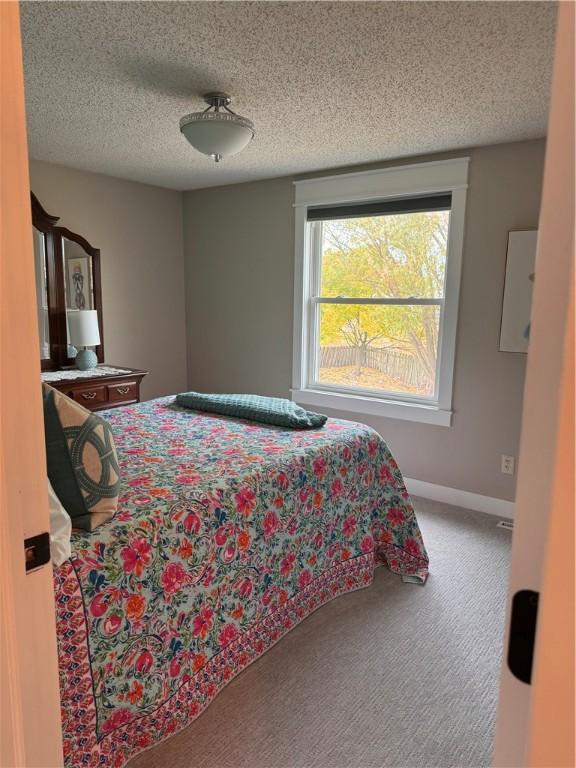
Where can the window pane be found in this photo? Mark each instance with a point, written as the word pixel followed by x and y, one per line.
pixel 393 256
pixel 381 348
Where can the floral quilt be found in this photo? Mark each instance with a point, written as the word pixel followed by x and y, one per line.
pixel 228 534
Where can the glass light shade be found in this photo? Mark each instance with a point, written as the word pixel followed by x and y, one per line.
pixel 83 327
pixel 217 134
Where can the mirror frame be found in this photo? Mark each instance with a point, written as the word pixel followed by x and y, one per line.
pixel 55 277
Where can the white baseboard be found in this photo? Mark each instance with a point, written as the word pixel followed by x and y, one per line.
pixel 458 498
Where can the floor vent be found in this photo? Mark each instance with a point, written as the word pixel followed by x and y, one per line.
pixel 508 524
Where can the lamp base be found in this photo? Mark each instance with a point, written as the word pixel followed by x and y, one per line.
pixel 86 359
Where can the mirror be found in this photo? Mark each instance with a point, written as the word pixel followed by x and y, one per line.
pixel 67 270
pixel 41 273
pixel 78 283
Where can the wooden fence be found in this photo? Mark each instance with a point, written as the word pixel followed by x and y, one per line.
pixel 398 365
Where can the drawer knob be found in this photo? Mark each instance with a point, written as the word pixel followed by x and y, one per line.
pixel 88 395
pixel 122 390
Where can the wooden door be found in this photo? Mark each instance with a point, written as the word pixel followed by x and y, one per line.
pixel 536 721
pixel 30 716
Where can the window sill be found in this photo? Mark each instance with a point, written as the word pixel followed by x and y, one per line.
pixel 372 406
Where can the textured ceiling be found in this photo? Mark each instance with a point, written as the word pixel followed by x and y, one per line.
pixel 326 83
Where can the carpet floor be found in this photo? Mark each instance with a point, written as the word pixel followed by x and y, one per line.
pixel 393 676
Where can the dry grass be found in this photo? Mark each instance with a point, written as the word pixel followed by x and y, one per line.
pixel 369 378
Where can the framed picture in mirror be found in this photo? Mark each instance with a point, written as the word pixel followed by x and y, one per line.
pixel 78 281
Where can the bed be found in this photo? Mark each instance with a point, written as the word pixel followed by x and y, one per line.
pixel 227 535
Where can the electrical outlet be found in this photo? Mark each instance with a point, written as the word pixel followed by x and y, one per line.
pixel 507 466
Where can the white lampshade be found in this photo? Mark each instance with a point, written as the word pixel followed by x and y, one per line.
pixel 83 327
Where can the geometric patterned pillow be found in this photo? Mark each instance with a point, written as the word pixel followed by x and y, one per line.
pixel 82 461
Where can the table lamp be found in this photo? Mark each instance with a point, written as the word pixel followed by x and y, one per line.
pixel 84 332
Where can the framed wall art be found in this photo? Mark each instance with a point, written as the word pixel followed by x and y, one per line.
pixel 518 284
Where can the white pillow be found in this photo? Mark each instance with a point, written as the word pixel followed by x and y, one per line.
pixel 60 529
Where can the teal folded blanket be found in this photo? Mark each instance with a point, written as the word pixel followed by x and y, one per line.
pixel 268 410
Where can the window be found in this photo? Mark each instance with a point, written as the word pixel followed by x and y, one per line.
pixel 377 283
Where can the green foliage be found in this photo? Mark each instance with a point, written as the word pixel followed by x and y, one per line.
pixel 397 256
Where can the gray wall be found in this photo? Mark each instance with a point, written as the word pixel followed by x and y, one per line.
pixel 138 229
pixel 239 254
pixel 239 246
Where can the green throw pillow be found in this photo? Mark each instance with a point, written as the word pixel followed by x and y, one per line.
pixel 82 461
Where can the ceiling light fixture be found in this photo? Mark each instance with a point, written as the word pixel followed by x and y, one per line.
pixel 219 133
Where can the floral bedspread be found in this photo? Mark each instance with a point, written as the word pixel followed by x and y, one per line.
pixel 227 535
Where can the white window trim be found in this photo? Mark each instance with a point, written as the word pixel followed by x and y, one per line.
pixel 400 181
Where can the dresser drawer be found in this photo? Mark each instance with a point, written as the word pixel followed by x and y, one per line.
pixel 90 396
pixel 125 390
pixel 105 389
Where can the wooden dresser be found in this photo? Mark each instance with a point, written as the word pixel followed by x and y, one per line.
pixel 116 387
